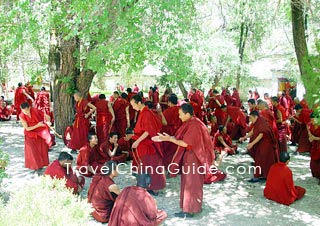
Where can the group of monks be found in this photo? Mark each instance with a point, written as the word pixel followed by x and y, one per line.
pixel 172 135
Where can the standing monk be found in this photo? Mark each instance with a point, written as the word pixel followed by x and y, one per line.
pixel 145 151
pixel 132 113
pixel 262 146
pixel 215 102
pixel 314 137
pixel 195 149
pixel 42 102
pixel 37 138
pixel 20 96
pixel 280 116
pixel 236 98
pixel 121 112
pixel 81 123
pixel 104 118
pixel 266 113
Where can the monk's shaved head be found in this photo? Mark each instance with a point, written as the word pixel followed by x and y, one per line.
pixel 284 157
pixel 78 94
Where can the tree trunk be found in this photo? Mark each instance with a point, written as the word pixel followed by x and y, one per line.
pixel 299 37
pixel 62 67
pixel 183 89
pixel 83 81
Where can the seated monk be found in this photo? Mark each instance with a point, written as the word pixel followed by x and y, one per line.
pixel 5 110
pixel 125 143
pixel 222 141
pixel 61 168
pixel 135 206
pixel 88 159
pixel 110 149
pixel 103 192
pixel 279 186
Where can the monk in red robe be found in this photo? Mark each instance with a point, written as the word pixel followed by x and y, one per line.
pixel 195 97
pixel 5 110
pixel 314 138
pixel 252 104
pixel 20 96
pixel 222 142
pixel 146 153
pixel 37 138
pixel 280 186
pixel 238 118
pixel 236 98
pixel 301 119
pixel 155 97
pixel 61 168
pixel 262 146
pixel 213 125
pixel 215 102
pixel 267 114
pixel 104 118
pixel 133 114
pixel 111 150
pixel 195 150
pixel 103 192
pixel 268 100
pixel 42 102
pixel 280 116
pixel 170 124
pixel 88 160
pixel 121 112
pixel 135 206
pixel 135 88
pixel 81 123
pixel 125 143
pixel 164 100
pixel 29 90
pixel 228 98
pixel 284 102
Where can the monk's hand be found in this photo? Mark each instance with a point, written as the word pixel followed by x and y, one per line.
pixel 112 120
pixel 241 139
pixel 86 115
pixel 164 137
pixel 135 144
pixel 250 145
pixel 311 138
pixel 41 124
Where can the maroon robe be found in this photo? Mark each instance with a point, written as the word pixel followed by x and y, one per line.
pixel 197 109
pixel 218 112
pixel 164 99
pixel 239 119
pixel 103 120
pixel 236 98
pixel 149 153
pixel 42 102
pixel 218 146
pixel 88 156
pixel 5 111
pixel 80 126
pixel 304 145
pixel 132 112
pixel 315 151
pixel 55 170
pixel 101 198
pixel 229 100
pixel 37 141
pixel 280 186
pixel 199 152
pixel 265 152
pixel 125 145
pixel 135 206
pixel 269 116
pixel 119 108
pixel 284 103
pixel 282 127
pixel 19 98
pixel 29 90
pixel 104 152
pixel 155 98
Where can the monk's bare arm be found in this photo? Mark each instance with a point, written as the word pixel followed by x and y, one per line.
pixel 27 95
pixel 163 119
pixel 29 128
pixel 246 136
pixel 141 138
pixel 114 188
pixel 178 142
pixel 258 138
pixel 111 111
pixel 113 152
pixel 222 142
pixel 128 116
pixel 279 116
pixel 93 109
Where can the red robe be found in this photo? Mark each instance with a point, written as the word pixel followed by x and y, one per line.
pixel 80 126
pixel 282 127
pixel 173 124
pixel 315 151
pixel 101 198
pixel 149 153
pixel 197 109
pixel 239 119
pixel 280 186
pixel 103 120
pixel 135 206
pixel 104 152
pixel 218 112
pixel 55 170
pixel 19 98
pixel 29 89
pixel 199 152
pixel 229 100
pixel 269 116
pixel 42 102
pixel 236 98
pixel 5 111
pixel 196 98
pixel 36 142
pixel 125 145
pixel 284 103
pixel 88 156
pixel 132 112
pixel 155 98
pixel 218 146
pixel 304 145
pixel 164 98
pixel 119 108
pixel 265 152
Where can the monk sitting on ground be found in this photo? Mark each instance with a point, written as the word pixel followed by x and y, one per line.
pixel 103 192
pixel 110 149
pixel 280 187
pixel 135 206
pixel 62 168
pixel 125 143
pixel 222 142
